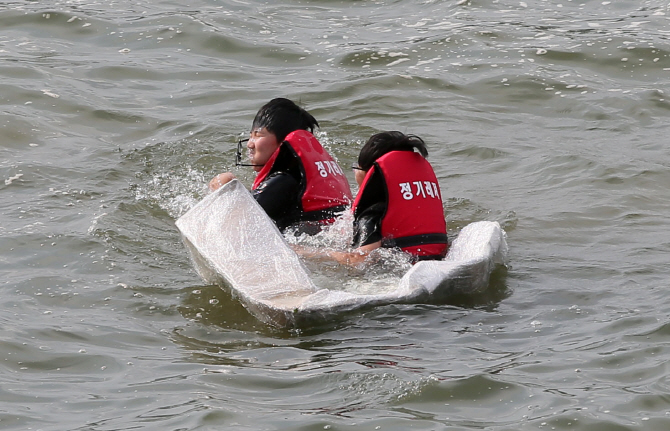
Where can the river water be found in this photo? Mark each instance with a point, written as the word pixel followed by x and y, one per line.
pixel 548 116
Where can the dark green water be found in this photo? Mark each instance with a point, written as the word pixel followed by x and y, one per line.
pixel 550 117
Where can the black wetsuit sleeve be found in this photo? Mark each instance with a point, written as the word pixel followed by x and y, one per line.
pixel 277 195
pixel 371 210
pixel 368 225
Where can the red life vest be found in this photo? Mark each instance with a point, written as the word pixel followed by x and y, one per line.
pixel 414 218
pixel 325 186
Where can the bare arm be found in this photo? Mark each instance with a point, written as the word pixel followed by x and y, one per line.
pixel 352 258
pixel 220 180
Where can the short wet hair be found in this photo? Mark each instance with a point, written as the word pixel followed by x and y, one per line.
pixel 282 116
pixel 385 142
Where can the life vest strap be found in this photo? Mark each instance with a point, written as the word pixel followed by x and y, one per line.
pixel 414 240
pixel 415 259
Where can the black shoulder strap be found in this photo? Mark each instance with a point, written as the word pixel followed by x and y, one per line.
pixel 414 240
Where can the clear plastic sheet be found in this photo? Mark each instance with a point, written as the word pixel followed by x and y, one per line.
pixel 233 242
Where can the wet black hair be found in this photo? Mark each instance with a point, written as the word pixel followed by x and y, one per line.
pixel 282 116
pixel 385 142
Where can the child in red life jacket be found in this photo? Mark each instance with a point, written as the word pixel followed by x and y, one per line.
pixel 298 184
pixel 399 203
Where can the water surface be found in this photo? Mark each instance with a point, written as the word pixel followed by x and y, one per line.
pixel 547 116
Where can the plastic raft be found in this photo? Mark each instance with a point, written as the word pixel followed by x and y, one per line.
pixel 232 242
